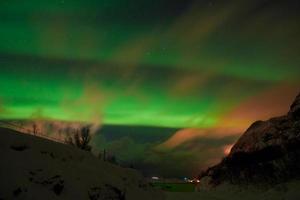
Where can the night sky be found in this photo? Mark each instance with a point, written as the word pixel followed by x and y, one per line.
pixel 205 69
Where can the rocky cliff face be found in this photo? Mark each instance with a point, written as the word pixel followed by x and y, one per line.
pixel 269 151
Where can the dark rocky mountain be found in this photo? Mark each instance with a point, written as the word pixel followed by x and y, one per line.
pixel 268 152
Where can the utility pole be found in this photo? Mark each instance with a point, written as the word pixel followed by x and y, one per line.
pixel 104 155
pixel 34 129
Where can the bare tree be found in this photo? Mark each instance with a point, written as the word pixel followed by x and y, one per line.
pixel 80 139
pixel 34 129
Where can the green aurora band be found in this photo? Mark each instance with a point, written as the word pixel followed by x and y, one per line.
pixel 158 63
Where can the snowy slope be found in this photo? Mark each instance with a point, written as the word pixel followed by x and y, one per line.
pixel 36 168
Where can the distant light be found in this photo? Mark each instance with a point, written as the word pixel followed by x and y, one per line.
pixel 155 178
pixel 194 181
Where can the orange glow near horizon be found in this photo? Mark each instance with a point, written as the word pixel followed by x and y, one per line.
pixel 227 149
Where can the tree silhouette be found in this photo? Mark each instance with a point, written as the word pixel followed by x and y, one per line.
pixel 34 129
pixel 80 139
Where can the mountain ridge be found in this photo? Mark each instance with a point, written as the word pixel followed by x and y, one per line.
pixel 268 152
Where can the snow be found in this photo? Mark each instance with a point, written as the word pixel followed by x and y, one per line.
pixel 285 191
pixel 36 168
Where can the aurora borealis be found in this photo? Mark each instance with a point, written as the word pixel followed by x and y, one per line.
pixel 210 66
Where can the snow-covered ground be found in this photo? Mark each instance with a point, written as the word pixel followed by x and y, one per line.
pixel 36 168
pixel 286 191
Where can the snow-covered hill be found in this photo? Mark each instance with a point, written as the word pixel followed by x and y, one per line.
pixel 36 168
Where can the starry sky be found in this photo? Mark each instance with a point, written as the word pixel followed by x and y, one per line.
pixel 206 68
